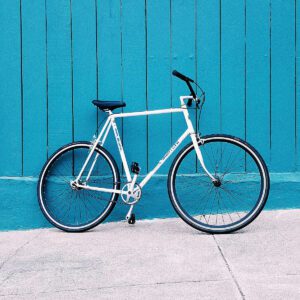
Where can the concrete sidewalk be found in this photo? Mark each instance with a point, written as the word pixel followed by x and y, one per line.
pixel 158 259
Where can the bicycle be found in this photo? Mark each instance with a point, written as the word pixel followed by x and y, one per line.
pixel 217 183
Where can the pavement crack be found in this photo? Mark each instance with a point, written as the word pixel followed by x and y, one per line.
pixel 229 269
pixel 14 255
pixel 115 286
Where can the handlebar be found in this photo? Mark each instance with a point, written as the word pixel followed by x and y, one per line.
pixel 188 81
pixel 181 76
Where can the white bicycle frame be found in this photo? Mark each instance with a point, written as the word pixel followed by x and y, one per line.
pixel 110 122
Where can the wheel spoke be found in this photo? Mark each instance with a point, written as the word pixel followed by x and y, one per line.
pixel 74 207
pixel 207 199
pixel 230 204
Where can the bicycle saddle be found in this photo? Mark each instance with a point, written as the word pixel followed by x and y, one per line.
pixel 108 105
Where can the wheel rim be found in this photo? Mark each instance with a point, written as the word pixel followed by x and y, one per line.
pixel 76 209
pixel 235 201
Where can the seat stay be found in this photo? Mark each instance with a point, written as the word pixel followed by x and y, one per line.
pixel 105 129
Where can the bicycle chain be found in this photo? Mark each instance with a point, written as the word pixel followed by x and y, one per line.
pixel 109 201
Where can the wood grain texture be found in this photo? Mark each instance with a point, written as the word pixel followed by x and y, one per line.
pixel 208 63
pixel 57 56
pixel 134 80
pixel 283 86
pixel 233 67
pixel 84 70
pixel 60 74
pixel 258 101
pixel 297 82
pixel 10 89
pixel 110 62
pixel 158 80
pixel 34 95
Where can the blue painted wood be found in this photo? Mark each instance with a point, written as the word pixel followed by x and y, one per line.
pixel 134 80
pixel 233 71
pixel 258 76
pixel 297 82
pixel 10 89
pixel 158 80
pixel 34 86
pixel 124 49
pixel 109 62
pixel 183 60
pixel 84 68
pixel 119 50
pixel 208 63
pixel 183 54
pixel 233 67
pixel 208 66
pixel 60 102
pixel 283 86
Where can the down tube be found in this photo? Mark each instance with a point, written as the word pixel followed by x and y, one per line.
pixel 166 156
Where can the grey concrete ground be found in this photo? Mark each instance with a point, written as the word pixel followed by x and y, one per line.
pixel 159 259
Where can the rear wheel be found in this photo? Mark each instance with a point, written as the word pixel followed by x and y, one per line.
pixel 232 202
pixel 74 209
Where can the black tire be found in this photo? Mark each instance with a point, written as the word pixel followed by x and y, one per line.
pixel 244 176
pixel 59 170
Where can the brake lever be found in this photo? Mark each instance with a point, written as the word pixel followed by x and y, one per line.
pixel 196 99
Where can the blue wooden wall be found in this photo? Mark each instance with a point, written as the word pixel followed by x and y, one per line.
pixel 58 55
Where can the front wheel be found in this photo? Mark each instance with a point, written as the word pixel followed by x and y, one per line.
pixel 70 208
pixel 234 200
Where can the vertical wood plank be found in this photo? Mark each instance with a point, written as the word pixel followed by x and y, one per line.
pixel 59 74
pixel 34 86
pixel 258 76
pixel 10 89
pixel 282 86
pixel 158 80
pixel 297 81
pixel 183 60
pixel 84 70
pixel 236 79
pixel 208 63
pixel 233 67
pixel 134 80
pixel 109 62
pixel 233 72
pixel 183 55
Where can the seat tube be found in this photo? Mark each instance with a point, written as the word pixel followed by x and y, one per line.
pixel 193 135
pixel 120 147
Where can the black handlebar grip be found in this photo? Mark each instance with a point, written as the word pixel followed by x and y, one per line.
pixel 181 76
pixel 188 82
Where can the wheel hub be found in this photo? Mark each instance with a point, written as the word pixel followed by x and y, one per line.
pixel 217 182
pixel 74 185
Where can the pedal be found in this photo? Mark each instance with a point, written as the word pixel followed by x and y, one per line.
pixel 135 168
pixel 131 219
